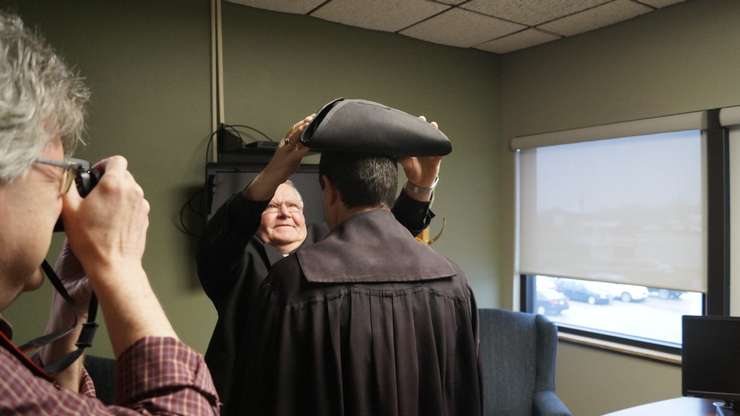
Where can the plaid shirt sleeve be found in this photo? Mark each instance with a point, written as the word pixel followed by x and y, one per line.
pixel 156 376
pixel 87 387
pixel 153 365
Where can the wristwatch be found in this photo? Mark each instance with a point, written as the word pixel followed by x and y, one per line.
pixel 421 189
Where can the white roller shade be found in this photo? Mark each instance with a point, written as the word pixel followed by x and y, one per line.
pixel 678 122
pixel 627 210
pixel 729 117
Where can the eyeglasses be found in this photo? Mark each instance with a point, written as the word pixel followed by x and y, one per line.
pixel 275 208
pixel 70 166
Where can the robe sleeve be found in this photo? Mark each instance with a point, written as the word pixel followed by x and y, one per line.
pixel 221 250
pixel 412 214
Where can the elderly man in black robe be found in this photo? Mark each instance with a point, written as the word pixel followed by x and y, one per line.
pixel 365 322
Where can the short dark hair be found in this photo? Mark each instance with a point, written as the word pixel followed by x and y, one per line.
pixel 361 179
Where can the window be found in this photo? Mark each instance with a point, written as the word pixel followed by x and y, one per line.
pixel 619 227
pixel 637 312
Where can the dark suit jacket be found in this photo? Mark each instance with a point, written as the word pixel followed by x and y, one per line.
pixel 365 322
pixel 233 263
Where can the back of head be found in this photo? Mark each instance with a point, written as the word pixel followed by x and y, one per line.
pixel 39 98
pixel 362 180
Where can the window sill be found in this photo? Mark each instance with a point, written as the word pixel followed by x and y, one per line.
pixel 646 353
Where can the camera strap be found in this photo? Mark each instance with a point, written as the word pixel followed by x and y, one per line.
pixel 86 335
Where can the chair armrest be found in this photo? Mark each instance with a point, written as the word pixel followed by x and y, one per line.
pixel 547 403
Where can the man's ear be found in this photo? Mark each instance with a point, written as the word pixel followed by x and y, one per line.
pixel 331 191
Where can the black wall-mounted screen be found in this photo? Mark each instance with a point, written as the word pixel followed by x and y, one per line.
pixel 228 179
pixel 711 357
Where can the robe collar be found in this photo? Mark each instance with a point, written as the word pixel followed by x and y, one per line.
pixel 371 247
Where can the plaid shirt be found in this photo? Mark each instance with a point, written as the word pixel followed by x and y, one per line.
pixel 157 376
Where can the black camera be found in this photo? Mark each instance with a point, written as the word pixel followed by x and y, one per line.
pixel 85 177
pixel 85 180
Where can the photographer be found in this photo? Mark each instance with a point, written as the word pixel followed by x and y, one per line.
pixel 41 120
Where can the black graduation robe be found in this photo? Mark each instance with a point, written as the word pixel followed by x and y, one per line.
pixel 365 322
pixel 233 263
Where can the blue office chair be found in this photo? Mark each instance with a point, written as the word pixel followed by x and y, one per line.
pixel 518 364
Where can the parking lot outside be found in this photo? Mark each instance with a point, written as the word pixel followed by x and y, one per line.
pixel 653 319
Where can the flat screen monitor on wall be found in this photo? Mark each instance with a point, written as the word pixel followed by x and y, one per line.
pixel 711 358
pixel 227 179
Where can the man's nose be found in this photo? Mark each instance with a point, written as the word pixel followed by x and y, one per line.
pixel 283 210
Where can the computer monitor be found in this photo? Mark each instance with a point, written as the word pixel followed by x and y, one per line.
pixel 711 358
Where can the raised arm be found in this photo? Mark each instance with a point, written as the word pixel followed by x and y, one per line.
pixel 157 373
pixel 221 250
pixel 412 208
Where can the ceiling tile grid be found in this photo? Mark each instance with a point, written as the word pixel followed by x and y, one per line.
pixel 386 15
pixel 519 40
pixel 450 2
pixel 462 28
pixel 531 12
pixel 605 15
pixel 285 6
pixel 498 26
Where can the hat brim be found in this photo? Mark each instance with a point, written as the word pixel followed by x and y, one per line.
pixel 361 126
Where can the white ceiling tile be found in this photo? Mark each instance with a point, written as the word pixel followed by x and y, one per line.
pixel 595 18
pixel 661 3
pixel 519 40
pixel 530 12
pixel 285 6
pixel 387 15
pixel 461 28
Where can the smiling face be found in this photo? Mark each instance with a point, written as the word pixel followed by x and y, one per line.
pixel 29 207
pixel 283 225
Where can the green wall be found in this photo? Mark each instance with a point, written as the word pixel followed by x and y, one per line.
pixel 148 66
pixel 678 59
pixel 279 68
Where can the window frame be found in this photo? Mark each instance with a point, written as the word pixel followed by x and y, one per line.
pixel 716 301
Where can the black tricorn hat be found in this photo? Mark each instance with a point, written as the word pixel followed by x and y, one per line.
pixel 361 126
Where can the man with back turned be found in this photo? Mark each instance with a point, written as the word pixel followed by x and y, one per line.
pixel 365 322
